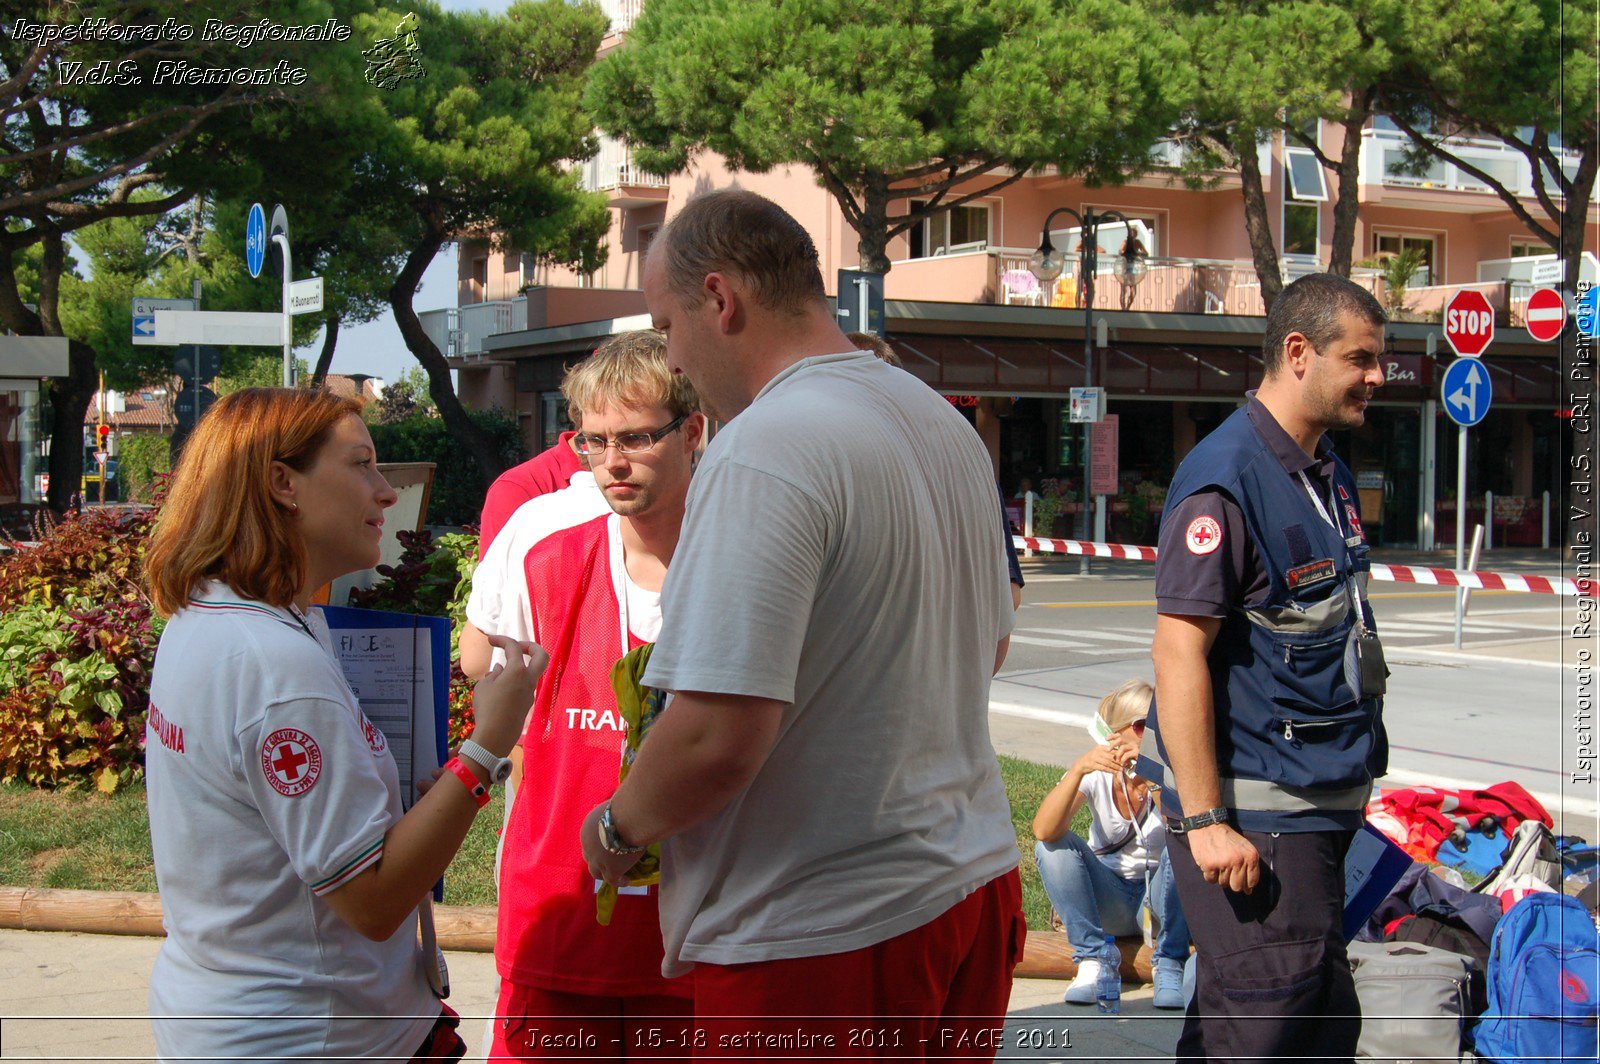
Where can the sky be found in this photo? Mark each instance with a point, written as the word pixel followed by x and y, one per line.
pixel 376 347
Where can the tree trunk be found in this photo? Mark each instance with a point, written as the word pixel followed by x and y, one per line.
pixel 873 232
pixel 1347 200
pixel 1581 516
pixel 70 398
pixel 474 440
pixel 1256 218
pixel 69 402
pixel 330 338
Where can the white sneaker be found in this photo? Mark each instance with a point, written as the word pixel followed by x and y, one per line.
pixel 1081 990
pixel 1169 984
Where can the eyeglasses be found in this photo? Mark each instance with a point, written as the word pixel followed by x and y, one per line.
pixel 1138 727
pixel 591 446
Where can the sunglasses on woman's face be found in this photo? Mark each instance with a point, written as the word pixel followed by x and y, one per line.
pixel 1138 727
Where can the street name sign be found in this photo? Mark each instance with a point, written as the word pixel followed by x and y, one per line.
pixel 305 296
pixel 1466 391
pixel 255 240
pixel 244 328
pixel 144 316
pixel 1546 314
pixel 1468 322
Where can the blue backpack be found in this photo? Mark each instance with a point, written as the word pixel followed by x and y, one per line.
pixel 1544 984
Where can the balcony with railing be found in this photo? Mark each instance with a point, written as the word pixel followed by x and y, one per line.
pixel 622 13
pixel 1384 154
pixel 614 172
pixel 459 332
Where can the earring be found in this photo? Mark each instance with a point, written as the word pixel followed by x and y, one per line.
pixel 294 509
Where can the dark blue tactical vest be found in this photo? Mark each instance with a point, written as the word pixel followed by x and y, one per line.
pixel 1297 749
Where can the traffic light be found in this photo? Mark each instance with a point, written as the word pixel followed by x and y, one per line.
pixel 102 431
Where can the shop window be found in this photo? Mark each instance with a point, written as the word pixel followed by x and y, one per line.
pixel 955 230
pixel 1388 244
pixel 553 418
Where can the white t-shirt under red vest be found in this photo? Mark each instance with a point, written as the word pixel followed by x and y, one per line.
pixel 547 934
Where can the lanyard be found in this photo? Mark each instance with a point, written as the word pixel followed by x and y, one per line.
pixel 1328 513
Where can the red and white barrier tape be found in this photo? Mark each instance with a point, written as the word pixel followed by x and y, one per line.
pixel 1403 574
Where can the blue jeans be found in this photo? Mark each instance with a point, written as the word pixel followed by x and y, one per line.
pixel 1096 904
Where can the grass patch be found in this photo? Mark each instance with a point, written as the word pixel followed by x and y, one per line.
pixel 85 841
pixel 1027 782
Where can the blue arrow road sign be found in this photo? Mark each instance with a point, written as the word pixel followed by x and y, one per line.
pixel 144 326
pixel 255 240
pixel 1587 313
pixel 1466 391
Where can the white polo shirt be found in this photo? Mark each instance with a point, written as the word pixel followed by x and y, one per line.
pixel 268 788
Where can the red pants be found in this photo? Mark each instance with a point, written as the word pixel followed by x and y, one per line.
pixel 537 1024
pixel 940 990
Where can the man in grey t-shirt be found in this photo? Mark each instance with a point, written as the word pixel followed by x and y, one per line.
pixel 823 780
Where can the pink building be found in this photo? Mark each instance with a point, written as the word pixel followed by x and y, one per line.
pixel 1177 343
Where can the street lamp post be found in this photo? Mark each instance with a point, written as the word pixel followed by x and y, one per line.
pixel 1046 264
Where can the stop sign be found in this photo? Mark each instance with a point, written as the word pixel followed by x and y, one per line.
pixel 1468 322
pixel 1546 314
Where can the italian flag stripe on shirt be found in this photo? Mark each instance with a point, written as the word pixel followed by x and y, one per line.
pixel 363 860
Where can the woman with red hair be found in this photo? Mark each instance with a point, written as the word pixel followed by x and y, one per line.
pixel 289 876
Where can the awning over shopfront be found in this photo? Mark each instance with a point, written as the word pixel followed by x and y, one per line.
pixel 960 365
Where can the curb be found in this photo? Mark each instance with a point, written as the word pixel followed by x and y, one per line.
pixel 470 928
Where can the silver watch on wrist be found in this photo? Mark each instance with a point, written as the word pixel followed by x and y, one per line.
pixel 610 841
pixel 497 768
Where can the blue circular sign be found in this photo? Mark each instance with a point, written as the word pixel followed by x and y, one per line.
pixel 255 240
pixel 1466 391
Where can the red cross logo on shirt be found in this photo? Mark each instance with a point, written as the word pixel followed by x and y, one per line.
pixel 291 761
pixel 288 762
pixel 1204 535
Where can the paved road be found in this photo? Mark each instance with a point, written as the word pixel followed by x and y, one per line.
pixel 1498 709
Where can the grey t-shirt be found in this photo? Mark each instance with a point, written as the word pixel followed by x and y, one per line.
pixel 841 552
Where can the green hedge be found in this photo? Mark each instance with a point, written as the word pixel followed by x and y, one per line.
pixel 458 485
pixel 139 459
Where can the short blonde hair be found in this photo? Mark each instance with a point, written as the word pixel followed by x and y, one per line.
pixel 220 521
pixel 630 368
pixel 1128 703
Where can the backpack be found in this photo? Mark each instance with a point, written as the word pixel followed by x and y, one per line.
pixel 1544 984
pixel 1452 935
pixel 1415 1001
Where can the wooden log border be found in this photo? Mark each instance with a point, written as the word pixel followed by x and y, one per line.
pixel 1048 954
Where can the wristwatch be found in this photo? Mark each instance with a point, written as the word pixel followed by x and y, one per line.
pixel 1219 815
pixel 610 841
pixel 498 769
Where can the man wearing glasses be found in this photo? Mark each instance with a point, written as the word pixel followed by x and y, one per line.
pixel 569 987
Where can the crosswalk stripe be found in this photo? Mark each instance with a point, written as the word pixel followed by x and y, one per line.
pixel 1096 633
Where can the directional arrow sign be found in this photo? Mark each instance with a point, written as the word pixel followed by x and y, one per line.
pixel 1467 391
pixel 1587 313
pixel 144 315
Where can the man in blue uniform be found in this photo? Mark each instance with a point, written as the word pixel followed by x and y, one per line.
pixel 1266 731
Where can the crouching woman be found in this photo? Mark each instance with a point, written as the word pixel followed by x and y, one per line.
pixel 1098 884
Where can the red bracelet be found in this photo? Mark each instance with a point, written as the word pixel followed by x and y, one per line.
pixel 479 792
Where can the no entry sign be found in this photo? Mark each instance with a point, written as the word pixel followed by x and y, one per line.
pixel 1546 314
pixel 1468 322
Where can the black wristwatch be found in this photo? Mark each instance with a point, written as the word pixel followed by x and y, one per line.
pixel 1219 815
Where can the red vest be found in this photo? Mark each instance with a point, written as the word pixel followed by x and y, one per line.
pixel 547 935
